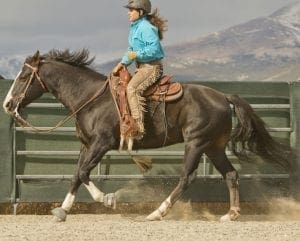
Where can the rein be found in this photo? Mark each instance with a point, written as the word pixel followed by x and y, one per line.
pixel 25 123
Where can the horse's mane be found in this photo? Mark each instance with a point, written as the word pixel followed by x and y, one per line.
pixel 77 58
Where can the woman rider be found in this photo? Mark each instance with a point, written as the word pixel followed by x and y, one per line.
pixel 146 31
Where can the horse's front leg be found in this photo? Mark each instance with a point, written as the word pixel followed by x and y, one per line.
pixel 61 212
pixel 88 159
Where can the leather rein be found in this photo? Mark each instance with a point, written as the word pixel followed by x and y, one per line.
pixel 20 98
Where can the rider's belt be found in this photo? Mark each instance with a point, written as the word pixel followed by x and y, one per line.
pixel 155 62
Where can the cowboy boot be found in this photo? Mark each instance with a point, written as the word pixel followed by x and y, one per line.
pixel 141 129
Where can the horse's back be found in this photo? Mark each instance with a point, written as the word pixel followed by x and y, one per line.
pixel 206 98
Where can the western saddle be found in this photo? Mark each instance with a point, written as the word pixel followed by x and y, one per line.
pixel 162 90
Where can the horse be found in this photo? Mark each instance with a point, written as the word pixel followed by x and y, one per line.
pixel 201 119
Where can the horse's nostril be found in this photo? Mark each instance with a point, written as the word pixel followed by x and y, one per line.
pixel 7 105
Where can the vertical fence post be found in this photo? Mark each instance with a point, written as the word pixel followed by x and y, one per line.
pixel 295 134
pixel 6 152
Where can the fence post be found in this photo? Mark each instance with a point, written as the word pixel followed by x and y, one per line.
pixel 6 152
pixel 295 134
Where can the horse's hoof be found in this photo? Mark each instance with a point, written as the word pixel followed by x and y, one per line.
pixel 154 216
pixel 59 214
pixel 110 200
pixel 225 218
pixel 232 215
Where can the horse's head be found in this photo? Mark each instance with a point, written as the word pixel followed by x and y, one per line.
pixel 27 87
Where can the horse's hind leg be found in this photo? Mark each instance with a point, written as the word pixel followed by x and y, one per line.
pixel 223 165
pixel 193 152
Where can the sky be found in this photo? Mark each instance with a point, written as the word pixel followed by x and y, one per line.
pixel 102 25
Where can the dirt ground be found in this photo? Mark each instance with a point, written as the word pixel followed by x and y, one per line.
pixel 112 227
pixel 279 222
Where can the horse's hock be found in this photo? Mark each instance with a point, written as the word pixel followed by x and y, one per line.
pixel 38 168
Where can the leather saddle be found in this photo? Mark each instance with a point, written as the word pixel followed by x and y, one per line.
pixel 162 90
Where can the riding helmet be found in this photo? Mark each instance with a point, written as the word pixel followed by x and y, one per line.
pixel 139 4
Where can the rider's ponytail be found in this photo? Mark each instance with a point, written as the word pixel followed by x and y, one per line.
pixel 158 22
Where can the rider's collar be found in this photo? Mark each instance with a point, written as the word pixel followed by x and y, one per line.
pixel 138 20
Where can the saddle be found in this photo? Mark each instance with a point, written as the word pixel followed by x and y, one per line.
pixel 162 90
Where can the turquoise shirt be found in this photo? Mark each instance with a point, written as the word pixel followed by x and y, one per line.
pixel 144 40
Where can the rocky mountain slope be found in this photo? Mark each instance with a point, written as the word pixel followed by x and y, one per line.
pixel 264 49
pixel 10 66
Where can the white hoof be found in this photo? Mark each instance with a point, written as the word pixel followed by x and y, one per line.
pixel 109 200
pixel 225 218
pixel 155 216
pixel 59 214
pixel 232 215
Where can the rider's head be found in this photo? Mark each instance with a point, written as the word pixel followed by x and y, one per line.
pixel 143 7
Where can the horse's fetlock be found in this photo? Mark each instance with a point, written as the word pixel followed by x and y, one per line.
pixel 232 178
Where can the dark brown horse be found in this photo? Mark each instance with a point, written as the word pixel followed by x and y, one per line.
pixel 201 119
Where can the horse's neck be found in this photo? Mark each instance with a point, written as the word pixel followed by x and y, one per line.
pixel 74 90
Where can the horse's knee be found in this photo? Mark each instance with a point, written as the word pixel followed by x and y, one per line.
pixel 232 179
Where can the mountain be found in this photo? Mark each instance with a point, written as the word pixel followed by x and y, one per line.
pixel 263 49
pixel 1 77
pixel 10 66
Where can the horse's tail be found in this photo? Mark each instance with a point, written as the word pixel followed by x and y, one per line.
pixel 252 135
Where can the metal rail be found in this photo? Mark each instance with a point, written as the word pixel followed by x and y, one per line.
pixel 148 177
pixel 254 106
pixel 73 129
pixel 109 153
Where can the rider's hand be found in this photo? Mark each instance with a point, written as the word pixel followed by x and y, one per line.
pixel 131 55
pixel 117 68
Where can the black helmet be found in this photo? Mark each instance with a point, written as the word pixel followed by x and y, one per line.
pixel 139 4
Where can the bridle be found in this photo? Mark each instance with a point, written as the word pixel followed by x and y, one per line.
pixel 35 73
pixel 20 98
pixel 28 82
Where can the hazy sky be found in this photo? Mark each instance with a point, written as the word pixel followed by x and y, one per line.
pixel 102 25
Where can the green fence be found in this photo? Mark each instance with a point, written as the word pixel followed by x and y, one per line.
pixel 39 167
pixel 6 149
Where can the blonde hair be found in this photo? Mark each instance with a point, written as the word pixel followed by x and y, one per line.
pixel 155 19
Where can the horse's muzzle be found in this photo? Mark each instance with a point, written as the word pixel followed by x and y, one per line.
pixel 13 110
pixel 8 106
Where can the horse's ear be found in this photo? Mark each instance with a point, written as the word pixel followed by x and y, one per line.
pixel 36 56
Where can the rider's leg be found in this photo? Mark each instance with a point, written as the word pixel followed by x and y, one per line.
pixel 146 75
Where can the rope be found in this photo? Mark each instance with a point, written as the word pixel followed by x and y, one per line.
pixel 62 122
